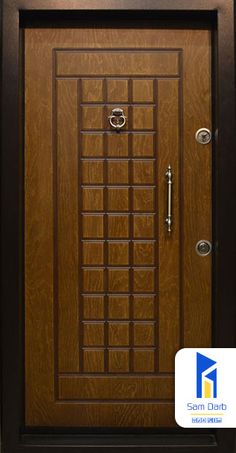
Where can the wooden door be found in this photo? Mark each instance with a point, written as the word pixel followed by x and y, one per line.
pixel 110 295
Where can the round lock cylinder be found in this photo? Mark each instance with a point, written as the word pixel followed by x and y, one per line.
pixel 203 247
pixel 203 136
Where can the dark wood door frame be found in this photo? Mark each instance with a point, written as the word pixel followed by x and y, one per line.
pixel 219 13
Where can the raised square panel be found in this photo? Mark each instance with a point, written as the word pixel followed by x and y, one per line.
pixel 92 226
pixel 118 253
pixel 118 172
pixel 117 144
pixel 143 361
pixel 118 199
pixel 92 199
pixel 143 145
pixel 93 361
pixel 93 280
pixel 143 172
pixel 93 117
pixel 92 253
pixel 117 90
pixel 143 280
pixel 93 334
pixel 142 117
pixel 118 280
pixel 92 90
pixel 118 361
pixel 142 90
pixel 92 145
pixel 118 226
pixel 143 334
pixel 143 226
pixel 118 334
pixel 143 307
pixel 93 307
pixel 143 253
pixel 118 307
pixel 143 199
pixel 92 172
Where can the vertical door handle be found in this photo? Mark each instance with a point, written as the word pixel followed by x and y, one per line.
pixel 169 182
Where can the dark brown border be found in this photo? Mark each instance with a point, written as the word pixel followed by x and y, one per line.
pixel 33 13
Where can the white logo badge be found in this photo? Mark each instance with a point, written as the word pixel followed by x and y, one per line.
pixel 205 387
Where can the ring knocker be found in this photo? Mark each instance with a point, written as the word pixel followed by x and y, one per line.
pixel 117 119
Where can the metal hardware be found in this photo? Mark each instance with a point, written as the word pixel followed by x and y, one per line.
pixel 203 136
pixel 203 248
pixel 169 181
pixel 117 119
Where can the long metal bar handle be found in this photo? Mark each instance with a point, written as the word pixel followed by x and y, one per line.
pixel 169 181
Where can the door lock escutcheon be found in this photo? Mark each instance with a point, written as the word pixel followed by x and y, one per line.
pixel 203 247
pixel 203 136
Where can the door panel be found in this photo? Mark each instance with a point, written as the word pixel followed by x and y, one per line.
pixel 110 295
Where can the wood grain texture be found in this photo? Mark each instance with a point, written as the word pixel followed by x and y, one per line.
pixel 130 388
pixel 169 244
pixel 116 63
pixel 66 227
pixel 197 183
pixel 128 287
pixel 39 293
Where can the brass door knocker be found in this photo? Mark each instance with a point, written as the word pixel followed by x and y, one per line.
pixel 117 119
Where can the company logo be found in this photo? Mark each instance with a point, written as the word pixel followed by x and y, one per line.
pixel 206 377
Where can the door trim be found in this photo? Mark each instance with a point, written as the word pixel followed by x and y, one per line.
pixel 218 13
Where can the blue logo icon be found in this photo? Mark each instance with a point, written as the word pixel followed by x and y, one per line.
pixel 206 377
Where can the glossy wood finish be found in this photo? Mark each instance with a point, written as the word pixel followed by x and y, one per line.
pixel 197 13
pixel 110 296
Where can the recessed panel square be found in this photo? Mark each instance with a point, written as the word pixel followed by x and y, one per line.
pixel 92 199
pixel 143 90
pixel 143 334
pixel 143 172
pixel 118 307
pixel 143 145
pixel 117 144
pixel 93 117
pixel 143 117
pixel 143 307
pixel 143 225
pixel 93 307
pixel 92 171
pixel 118 172
pixel 118 334
pixel 143 253
pixel 93 361
pixel 93 334
pixel 92 145
pixel 118 199
pixel 118 226
pixel 118 253
pixel 92 226
pixel 143 361
pixel 143 280
pixel 118 280
pixel 92 90
pixel 93 280
pixel 143 199
pixel 118 361
pixel 117 90
pixel 92 253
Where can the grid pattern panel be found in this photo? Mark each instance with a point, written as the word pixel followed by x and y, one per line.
pixel 118 316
